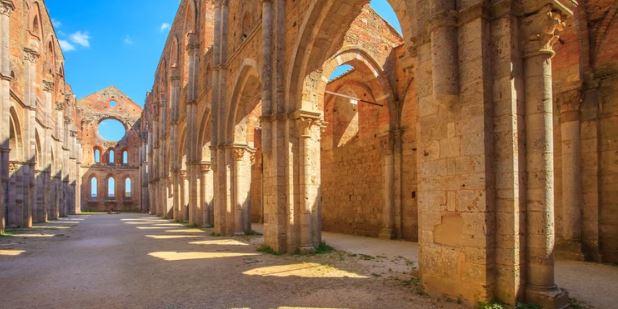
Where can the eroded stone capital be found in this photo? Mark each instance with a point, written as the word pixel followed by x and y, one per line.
pixel 541 29
pixel 48 86
pixel 6 7
pixel 31 55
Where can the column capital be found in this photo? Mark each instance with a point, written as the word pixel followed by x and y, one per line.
pixel 48 86
pixel 31 55
pixel 543 22
pixel 6 7
pixel 193 42
pixel 305 120
pixel 205 166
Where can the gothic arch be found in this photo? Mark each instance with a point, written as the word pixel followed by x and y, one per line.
pixel 308 56
pixel 247 78
pixel 15 137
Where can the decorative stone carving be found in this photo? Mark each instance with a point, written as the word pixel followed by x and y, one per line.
pixel 541 30
pixel 12 167
pixel 238 153
pixel 48 86
pixel 205 167
pixel 6 8
pixel 30 55
pixel 59 106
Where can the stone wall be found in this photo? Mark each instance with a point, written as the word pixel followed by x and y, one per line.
pixel 92 110
pixel 39 149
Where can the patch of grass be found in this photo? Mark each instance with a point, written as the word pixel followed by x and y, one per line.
pixel 213 234
pixel 416 285
pixel 575 304
pixel 267 249
pixel 491 306
pixel 192 226
pixel 7 234
pixel 252 233
pixel 88 213
pixel 323 248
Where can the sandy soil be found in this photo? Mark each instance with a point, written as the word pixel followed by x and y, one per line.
pixel 138 261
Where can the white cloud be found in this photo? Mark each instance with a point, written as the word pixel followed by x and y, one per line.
pixel 165 26
pixel 66 46
pixel 80 38
pixel 56 23
pixel 128 40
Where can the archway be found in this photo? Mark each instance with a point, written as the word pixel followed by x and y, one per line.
pixel 243 134
pixel 368 86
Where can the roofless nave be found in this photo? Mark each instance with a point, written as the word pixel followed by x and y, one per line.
pixel 487 134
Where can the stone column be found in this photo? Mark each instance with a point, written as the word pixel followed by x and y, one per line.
pixel 307 124
pixel 30 58
pixel 6 8
pixel 176 187
pixel 572 192
pixel 206 194
pixel 241 187
pixel 388 210
pixel 444 48
pixel 540 27
pixel 183 197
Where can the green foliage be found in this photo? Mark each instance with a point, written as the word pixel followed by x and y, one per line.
pixel 7 234
pixel 252 233
pixel 323 248
pixel 491 306
pixel 415 284
pixel 267 250
pixel 527 306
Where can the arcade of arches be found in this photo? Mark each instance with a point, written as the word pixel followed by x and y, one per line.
pixel 487 132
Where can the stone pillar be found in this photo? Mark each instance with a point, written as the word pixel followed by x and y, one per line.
pixel 183 197
pixel 206 193
pixel 308 126
pixel 177 203
pixel 30 58
pixel 6 8
pixel 444 48
pixel 388 210
pixel 15 198
pixel 572 193
pixel 241 187
pixel 540 27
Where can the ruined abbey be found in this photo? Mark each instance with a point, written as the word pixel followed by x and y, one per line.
pixel 487 133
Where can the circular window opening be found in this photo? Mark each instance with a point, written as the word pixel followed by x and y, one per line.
pixel 111 130
pixel 113 103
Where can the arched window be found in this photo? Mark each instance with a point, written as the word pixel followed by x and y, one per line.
pixel 125 158
pixel 111 157
pixel 94 189
pixel 127 188
pixel 111 188
pixel 97 155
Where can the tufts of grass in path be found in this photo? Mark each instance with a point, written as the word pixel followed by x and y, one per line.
pixel 7 234
pixel 267 249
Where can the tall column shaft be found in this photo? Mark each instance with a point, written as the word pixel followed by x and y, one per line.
pixel 540 28
pixel 6 8
pixel 572 192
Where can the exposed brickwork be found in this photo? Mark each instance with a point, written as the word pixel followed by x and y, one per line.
pixel 91 111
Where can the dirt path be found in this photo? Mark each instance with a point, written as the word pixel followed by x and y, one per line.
pixel 138 261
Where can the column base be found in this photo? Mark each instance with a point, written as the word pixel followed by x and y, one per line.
pixel 548 298
pixel 306 250
pixel 386 233
pixel 570 250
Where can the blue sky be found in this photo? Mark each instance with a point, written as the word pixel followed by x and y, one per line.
pixel 119 42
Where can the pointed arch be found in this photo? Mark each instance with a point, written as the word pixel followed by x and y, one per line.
pixel 247 79
pixel 15 136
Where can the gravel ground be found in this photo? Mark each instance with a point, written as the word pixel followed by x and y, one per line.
pixel 139 261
